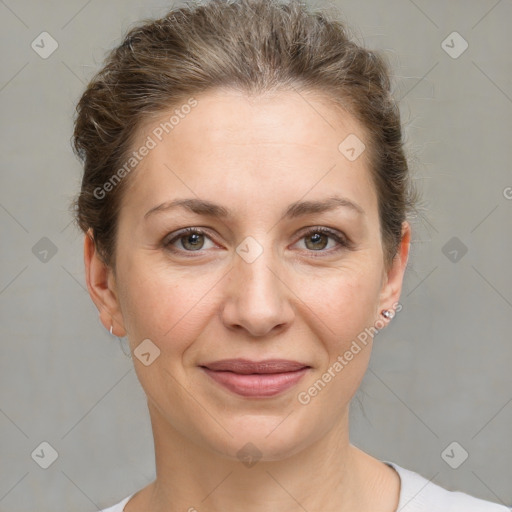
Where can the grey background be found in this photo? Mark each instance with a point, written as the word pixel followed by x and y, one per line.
pixel 439 373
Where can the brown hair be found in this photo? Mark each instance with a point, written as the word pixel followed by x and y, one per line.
pixel 252 46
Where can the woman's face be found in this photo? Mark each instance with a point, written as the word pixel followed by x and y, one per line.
pixel 259 281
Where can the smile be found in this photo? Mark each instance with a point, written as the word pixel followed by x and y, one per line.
pixel 256 379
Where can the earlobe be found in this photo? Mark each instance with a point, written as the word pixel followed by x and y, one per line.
pixel 101 287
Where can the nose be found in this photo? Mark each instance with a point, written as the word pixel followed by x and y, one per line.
pixel 257 298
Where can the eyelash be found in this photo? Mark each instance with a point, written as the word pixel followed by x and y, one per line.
pixel 343 242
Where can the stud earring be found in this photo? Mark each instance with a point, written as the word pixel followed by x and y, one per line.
pixel 386 313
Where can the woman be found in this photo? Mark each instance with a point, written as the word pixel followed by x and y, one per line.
pixel 245 202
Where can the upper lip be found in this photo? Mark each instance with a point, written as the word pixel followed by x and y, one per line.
pixel 246 366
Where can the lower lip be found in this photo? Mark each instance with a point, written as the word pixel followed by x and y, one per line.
pixel 257 385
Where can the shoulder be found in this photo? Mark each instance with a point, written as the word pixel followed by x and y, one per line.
pixel 417 494
pixel 118 507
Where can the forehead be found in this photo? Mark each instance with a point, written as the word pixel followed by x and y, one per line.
pixel 229 145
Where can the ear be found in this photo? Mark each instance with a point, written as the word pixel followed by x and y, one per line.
pixel 393 277
pixel 102 288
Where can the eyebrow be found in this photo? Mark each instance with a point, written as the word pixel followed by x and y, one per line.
pixel 297 209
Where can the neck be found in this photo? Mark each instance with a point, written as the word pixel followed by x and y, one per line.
pixel 328 474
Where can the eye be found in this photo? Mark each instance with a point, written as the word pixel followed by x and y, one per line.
pixel 188 240
pixel 317 240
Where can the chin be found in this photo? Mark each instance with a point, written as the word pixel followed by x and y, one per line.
pixel 266 438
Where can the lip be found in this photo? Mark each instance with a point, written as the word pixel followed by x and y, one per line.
pixel 256 378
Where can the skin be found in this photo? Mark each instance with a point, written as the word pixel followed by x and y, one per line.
pixel 254 156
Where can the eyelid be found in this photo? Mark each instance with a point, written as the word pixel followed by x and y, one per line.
pixel 180 233
pixel 341 239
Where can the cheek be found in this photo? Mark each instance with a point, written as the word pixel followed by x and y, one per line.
pixel 345 299
pixel 169 308
pixel 344 308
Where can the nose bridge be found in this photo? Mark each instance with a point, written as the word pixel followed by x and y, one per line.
pixel 257 276
pixel 253 264
pixel 256 299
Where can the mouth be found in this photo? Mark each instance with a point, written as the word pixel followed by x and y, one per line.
pixel 256 379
